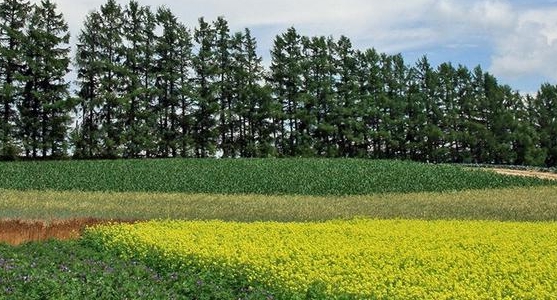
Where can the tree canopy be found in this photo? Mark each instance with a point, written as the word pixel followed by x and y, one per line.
pixel 149 86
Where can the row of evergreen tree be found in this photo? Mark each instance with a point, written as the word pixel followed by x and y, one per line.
pixel 34 98
pixel 147 86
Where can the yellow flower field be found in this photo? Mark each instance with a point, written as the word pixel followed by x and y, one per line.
pixel 386 259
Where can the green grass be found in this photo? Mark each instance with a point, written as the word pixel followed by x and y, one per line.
pixel 511 204
pixel 252 176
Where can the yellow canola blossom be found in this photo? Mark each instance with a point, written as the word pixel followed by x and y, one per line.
pixel 386 259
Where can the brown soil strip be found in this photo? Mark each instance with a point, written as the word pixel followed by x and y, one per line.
pixel 15 232
pixel 542 175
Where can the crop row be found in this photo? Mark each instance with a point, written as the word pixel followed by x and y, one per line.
pixel 252 176
pixel 384 259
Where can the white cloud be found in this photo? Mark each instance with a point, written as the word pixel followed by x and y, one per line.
pixel 520 38
pixel 395 25
pixel 522 42
pixel 530 49
pixel 462 20
pixel 493 15
pixel 375 22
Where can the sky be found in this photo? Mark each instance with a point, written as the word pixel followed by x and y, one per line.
pixel 516 40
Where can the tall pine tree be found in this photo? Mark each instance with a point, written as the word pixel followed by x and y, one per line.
pixel 102 84
pixel 13 17
pixel 139 32
pixel 285 78
pixel 112 79
pixel 205 65
pixel 319 100
pixel 417 96
pixel 394 117
pixel 349 129
pixel 253 106
pixel 545 110
pixel 45 105
pixel 86 136
pixel 223 85
pixel 450 126
pixel 167 83
pixel 185 90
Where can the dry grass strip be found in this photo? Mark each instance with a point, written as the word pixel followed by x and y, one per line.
pixel 15 232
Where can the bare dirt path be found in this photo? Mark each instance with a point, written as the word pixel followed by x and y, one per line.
pixel 542 175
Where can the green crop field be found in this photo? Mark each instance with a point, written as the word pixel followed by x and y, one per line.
pixel 416 223
pixel 252 176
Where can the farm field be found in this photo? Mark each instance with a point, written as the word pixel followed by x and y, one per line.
pixel 371 259
pixel 252 176
pixel 410 226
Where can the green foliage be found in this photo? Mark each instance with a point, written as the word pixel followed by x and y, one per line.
pixel 251 176
pixel 544 118
pixel 9 151
pixel 148 86
pixel 206 69
pixel 139 65
pixel 172 49
pixel 285 79
pixel 45 106
pixel 86 136
pixel 75 270
pixel 13 18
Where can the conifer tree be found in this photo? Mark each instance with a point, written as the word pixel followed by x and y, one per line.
pixel 349 128
pixel 450 127
pixel 102 84
pixel 205 91
pixel 319 100
pixel 139 32
pixel 477 125
pixel 285 78
pixel 185 90
pixel 86 136
pixel 494 115
pixel 467 115
pixel 394 118
pixel 371 92
pixel 45 104
pixel 253 105
pixel 545 109
pixel 506 124
pixel 167 83
pixel 13 18
pixel 223 85
pixel 112 80
pixel 416 109
pixel 527 138
pixel 433 134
